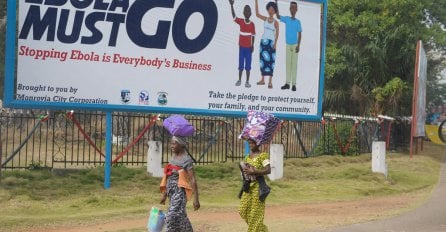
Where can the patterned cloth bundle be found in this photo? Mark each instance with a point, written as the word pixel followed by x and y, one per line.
pixel 260 127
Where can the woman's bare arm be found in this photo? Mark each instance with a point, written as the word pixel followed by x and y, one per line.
pixel 276 25
pixel 262 17
pixel 258 172
pixel 193 182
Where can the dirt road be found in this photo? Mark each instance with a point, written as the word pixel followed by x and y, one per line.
pixel 431 217
pixel 295 217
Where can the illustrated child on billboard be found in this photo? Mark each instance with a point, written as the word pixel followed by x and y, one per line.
pixel 268 43
pixel 246 42
pixel 293 33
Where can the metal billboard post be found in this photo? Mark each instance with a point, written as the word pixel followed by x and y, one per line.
pixel 108 149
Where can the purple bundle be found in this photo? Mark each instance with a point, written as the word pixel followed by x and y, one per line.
pixel 260 127
pixel 177 125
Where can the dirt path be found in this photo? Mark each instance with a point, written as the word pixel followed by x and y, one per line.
pixel 431 217
pixel 295 217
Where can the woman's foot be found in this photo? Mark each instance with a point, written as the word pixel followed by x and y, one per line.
pixel 270 85
pixel 262 82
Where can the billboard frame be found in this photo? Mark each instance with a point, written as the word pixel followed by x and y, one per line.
pixel 10 80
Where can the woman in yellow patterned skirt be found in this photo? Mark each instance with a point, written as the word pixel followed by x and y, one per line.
pixel 255 190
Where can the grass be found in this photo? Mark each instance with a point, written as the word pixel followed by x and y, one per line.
pixel 39 197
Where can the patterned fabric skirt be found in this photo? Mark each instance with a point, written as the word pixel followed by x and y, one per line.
pixel 176 217
pixel 252 210
pixel 267 57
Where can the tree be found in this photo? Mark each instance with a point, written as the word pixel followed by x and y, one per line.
pixel 436 86
pixel 370 43
pixel 388 97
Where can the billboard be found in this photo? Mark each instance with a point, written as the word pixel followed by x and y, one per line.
pixel 163 56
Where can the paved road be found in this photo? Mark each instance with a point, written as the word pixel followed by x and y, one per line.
pixel 431 217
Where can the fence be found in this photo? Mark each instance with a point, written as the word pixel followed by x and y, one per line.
pixel 65 140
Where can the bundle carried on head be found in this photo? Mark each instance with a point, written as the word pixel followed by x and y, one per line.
pixel 180 129
pixel 178 126
pixel 259 127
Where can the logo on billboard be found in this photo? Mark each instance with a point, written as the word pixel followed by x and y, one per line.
pixel 162 98
pixel 143 97
pixel 125 96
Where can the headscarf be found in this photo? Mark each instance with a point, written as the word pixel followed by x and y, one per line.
pixel 181 140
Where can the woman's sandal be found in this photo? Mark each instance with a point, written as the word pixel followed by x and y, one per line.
pixel 261 83
pixel 270 85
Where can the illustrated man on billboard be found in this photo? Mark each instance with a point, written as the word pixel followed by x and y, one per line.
pixel 293 33
pixel 246 42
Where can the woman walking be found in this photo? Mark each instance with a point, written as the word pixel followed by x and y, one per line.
pixel 268 42
pixel 255 190
pixel 179 184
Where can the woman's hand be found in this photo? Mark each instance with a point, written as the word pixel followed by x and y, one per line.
pixel 163 199
pixel 196 204
pixel 249 170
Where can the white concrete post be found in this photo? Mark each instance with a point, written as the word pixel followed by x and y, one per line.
pixel 379 157
pixel 154 159
pixel 276 159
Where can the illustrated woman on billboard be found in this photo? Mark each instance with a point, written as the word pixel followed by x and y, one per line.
pixel 268 42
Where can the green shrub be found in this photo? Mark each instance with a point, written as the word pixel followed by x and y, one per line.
pixel 328 143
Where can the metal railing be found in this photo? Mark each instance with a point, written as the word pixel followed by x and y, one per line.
pixel 61 141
